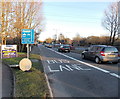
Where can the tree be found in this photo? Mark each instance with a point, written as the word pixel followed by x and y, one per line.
pixel 5 11
pixel 68 41
pixel 110 21
pixel 76 39
pixel 93 40
pixel 49 40
pixel 20 15
pixel 104 40
pixel 61 38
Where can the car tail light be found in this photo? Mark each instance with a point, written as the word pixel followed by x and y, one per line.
pixel 118 55
pixel 102 53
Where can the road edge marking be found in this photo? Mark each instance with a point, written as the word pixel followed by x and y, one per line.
pixel 48 84
pixel 100 69
pixel 50 90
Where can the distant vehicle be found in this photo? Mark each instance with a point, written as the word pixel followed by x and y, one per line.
pixel 49 45
pixel 101 53
pixel 64 48
pixel 57 45
pixel 71 47
pixel 46 45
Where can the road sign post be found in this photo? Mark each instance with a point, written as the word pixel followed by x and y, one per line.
pixel 27 50
pixel 27 38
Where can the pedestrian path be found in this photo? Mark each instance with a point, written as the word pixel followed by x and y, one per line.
pixel 6 81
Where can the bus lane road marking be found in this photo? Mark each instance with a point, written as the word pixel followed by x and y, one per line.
pixel 62 65
pixel 100 69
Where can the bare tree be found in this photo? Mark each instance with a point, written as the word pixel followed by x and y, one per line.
pixel 110 21
pixel 49 40
pixel 20 15
pixel 76 40
pixel 61 38
pixel 5 10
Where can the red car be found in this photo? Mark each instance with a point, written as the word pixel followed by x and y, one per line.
pixel 64 49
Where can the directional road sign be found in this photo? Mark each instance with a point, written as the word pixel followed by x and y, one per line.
pixel 27 36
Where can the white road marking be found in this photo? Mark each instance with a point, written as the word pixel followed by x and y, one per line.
pixel 52 70
pixel 50 61
pixel 100 69
pixel 62 67
pixel 50 89
pixel 113 74
pixel 69 67
pixel 57 61
pixel 78 67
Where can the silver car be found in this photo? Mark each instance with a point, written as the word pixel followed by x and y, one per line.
pixel 101 53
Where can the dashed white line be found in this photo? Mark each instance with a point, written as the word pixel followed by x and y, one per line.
pixel 100 69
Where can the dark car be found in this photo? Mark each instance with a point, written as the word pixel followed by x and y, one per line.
pixel 71 47
pixel 101 53
pixel 64 48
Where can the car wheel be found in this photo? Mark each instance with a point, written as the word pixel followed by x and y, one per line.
pixel 97 60
pixel 83 56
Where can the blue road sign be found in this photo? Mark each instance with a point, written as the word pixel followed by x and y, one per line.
pixel 27 36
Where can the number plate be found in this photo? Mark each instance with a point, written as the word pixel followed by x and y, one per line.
pixel 112 55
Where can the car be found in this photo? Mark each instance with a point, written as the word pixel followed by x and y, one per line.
pixel 101 53
pixel 57 45
pixel 49 45
pixel 46 45
pixel 64 48
pixel 71 47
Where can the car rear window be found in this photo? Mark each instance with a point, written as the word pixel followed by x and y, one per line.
pixel 66 46
pixel 110 49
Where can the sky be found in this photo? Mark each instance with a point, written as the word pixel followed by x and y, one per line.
pixel 72 18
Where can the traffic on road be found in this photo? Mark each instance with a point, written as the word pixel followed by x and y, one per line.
pixel 72 76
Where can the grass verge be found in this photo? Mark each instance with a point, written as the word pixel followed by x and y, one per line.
pixel 31 83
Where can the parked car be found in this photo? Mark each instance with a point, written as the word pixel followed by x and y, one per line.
pixel 101 53
pixel 64 48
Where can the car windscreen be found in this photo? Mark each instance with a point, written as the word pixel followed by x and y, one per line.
pixel 110 49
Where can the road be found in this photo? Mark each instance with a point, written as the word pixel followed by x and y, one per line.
pixel 71 76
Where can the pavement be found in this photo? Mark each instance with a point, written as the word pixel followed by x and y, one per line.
pixel 6 81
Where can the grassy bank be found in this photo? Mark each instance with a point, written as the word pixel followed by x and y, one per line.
pixel 31 83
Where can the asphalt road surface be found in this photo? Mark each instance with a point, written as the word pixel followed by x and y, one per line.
pixel 71 76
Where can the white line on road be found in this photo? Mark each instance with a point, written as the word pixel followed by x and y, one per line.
pixel 105 71
pixel 50 90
